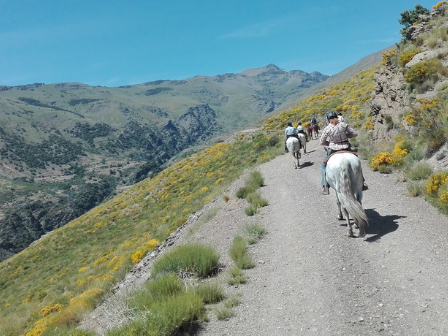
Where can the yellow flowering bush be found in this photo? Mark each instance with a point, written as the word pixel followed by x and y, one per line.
pixel 51 309
pixel 436 181
pixel 151 244
pixel 383 158
pixel 399 151
pixel 407 55
pixel 410 119
pixel 387 55
pixel 444 197
pixel 369 125
pixel 440 4
pixel 137 256
pixel 423 71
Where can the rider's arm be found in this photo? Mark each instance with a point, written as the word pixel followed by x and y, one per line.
pixel 323 139
pixel 351 133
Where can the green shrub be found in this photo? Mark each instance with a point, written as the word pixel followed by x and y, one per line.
pixel 238 248
pixel 224 313
pixel 254 232
pixel 256 179
pixel 442 86
pixel 236 276
pixel 274 140
pixel 244 191
pixel 245 262
pixel 233 301
pixel 166 317
pixel 421 171
pixel 210 292
pixel 194 258
pixel 432 42
pixel 66 331
pixel 165 286
pixel 250 210
pixel 416 189
pixel 238 253
pixel 255 199
pixel 411 17
pixel 385 169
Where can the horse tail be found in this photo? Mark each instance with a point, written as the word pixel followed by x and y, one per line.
pixel 352 205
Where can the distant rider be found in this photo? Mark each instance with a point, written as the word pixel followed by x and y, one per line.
pixel 290 131
pixel 301 130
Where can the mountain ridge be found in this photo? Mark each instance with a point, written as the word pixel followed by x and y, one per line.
pixel 64 140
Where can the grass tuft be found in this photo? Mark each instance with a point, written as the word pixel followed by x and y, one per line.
pixel 421 171
pixel 254 232
pixel 198 259
pixel 236 276
pixel 210 292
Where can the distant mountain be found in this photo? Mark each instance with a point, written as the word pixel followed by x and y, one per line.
pixel 66 147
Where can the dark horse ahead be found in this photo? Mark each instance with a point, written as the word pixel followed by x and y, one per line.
pixel 313 131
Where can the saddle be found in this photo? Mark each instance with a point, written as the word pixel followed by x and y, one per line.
pixel 340 151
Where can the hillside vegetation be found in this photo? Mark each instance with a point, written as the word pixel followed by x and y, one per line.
pixel 67 147
pixel 65 274
pixel 60 278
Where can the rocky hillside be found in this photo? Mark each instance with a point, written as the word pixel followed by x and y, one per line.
pixel 413 79
pixel 66 147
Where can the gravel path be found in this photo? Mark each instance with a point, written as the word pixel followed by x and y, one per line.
pixel 310 278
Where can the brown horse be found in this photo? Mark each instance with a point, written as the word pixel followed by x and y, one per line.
pixel 313 131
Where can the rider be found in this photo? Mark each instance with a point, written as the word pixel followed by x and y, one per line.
pixel 301 130
pixel 313 121
pixel 289 132
pixel 335 135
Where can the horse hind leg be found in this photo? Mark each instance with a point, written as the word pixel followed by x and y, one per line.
pixel 340 217
pixel 349 224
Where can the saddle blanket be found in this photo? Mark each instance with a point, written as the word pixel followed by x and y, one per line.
pixel 339 151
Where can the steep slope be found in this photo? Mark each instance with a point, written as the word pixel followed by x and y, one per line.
pixel 66 147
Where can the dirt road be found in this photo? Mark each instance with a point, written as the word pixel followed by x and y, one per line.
pixel 311 279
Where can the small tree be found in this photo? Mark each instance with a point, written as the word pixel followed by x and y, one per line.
pixel 411 17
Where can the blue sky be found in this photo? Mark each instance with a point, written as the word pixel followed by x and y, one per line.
pixel 115 42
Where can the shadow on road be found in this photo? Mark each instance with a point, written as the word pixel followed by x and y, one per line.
pixel 306 164
pixel 380 225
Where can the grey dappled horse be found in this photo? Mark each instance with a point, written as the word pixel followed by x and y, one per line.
pixel 344 175
pixel 293 146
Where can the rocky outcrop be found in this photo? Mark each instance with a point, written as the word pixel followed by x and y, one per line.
pixel 388 99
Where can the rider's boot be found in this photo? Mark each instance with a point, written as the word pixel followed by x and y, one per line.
pixel 325 190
